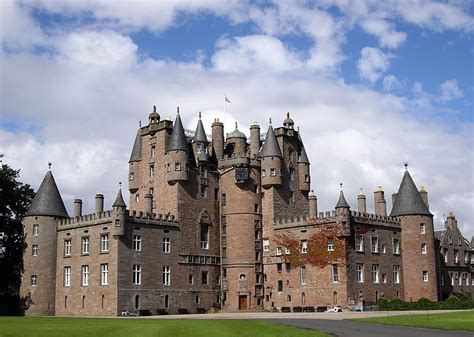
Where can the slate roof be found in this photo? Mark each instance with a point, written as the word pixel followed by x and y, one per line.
pixel 178 139
pixel 408 200
pixel 136 154
pixel 119 202
pixel 270 148
pixel 200 135
pixel 342 203
pixel 47 201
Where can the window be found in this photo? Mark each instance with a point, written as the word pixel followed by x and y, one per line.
pixel 374 244
pixel 166 245
pixel 360 272
pixel 292 174
pixel 423 248
pixel 85 245
pixel 204 236
pixel 137 274
pixel 384 248
pixel 67 276
pixel 137 198
pixel 335 273
pixel 177 166
pixel 166 275
pixel 223 200
pixel 35 230
pixel 280 286
pixel 266 245
pixel 85 275
pixel 306 178
pixel 396 274
pixel 278 251
pixel 425 276
pixel 168 167
pixel 456 256
pixel 191 279
pixel 466 257
pixel 359 243
pixel 272 172
pixel 330 245
pixel 303 274
pixel 67 247
pixel 452 276
pixel 34 250
pixel 384 278
pixel 304 246
pixel 375 273
pixel 137 243
pixel 153 151
pixel 287 250
pixel 205 278
pixel 279 267
pixel 132 176
pixel 288 267
pixel 445 255
pixel 263 173
pixel 104 243
pixel 396 246
pixel 104 274
pixel 34 280
pixel 422 228
pixel 197 299
pixel 152 171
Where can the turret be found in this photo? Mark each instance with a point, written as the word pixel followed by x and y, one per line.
pixel 313 205
pixel 380 203
pixel 40 223
pixel 303 168
pixel 176 155
pixel 148 203
pixel 288 122
pixel 254 140
pixel 343 213
pixel 200 143
pixel 271 159
pixel 362 202
pixel 154 117
pixel 218 138
pixel 77 207
pixel 236 143
pixel 342 207
pixel 118 212
pixel 420 277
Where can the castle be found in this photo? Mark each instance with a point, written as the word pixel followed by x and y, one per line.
pixel 231 223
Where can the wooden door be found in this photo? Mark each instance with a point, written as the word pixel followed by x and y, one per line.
pixel 243 302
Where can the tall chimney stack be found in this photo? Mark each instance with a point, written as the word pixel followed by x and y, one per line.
pixel 77 207
pixel 99 203
pixel 362 201
pixel 380 203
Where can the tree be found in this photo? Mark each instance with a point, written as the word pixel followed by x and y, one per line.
pixel 15 198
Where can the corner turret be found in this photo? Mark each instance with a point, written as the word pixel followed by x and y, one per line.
pixel 200 143
pixel 271 160
pixel 176 155
pixel 236 143
pixel 303 168
pixel 118 210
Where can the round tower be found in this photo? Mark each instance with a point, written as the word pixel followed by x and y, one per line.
pixel 176 155
pixel 236 143
pixel 218 138
pixel 271 160
pixel 254 140
pixel 39 259
pixel 418 246
pixel 313 205
pixel 362 202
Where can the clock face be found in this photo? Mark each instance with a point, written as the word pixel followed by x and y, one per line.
pixel 241 173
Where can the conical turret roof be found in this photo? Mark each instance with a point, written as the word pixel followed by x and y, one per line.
pixel 178 139
pixel 119 202
pixel 200 135
pixel 270 148
pixel 303 158
pixel 136 154
pixel 408 200
pixel 342 203
pixel 48 201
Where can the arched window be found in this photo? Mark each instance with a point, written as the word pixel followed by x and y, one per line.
pixel 103 301
pixel 65 301
pixel 83 301
pixel 334 298
pixel 303 299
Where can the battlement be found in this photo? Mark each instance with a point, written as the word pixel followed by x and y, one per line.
pixel 87 218
pixel 361 216
pixel 139 216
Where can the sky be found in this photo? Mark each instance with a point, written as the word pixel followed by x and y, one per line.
pixel 370 84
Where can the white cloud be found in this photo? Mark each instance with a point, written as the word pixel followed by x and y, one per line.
pixel 384 31
pixel 373 63
pixel 450 90
pixel 391 82
pixel 254 52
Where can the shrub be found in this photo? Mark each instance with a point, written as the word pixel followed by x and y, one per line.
pixel 453 302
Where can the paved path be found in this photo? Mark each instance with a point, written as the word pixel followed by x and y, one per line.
pixel 357 329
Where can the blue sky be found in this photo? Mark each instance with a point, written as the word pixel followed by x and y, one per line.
pixel 371 84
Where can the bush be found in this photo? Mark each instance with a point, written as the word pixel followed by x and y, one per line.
pixel 453 302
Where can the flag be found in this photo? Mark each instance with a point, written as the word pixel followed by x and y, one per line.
pixel 227 100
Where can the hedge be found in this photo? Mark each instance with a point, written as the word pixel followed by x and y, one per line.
pixel 453 302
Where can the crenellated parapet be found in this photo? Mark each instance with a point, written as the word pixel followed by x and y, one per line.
pixel 375 218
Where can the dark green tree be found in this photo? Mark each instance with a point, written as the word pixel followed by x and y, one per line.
pixel 15 198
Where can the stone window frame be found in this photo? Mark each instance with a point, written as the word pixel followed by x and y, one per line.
pixel 360 272
pixel 104 274
pixel 266 245
pixel 152 171
pixel 137 242
pixel 424 248
pixel 137 274
pixel 425 276
pixel 35 229
pixel 273 172
pixel 330 244
pixel 166 276
pixel 280 286
pixel 303 275
pixel 335 273
pixel 361 245
pixel 67 247
pixel 177 166
pixel 422 228
pixel 85 245
pixel 374 249
pixel 456 256
pixel 67 273
pixel 191 279
pixel 278 251
pixel 304 246
pixel 166 245
pixel 396 274
pixel 104 242
pixel 375 273
pixel 396 246
pixel 204 277
pixel 33 280
pixel 85 271
pixel 34 250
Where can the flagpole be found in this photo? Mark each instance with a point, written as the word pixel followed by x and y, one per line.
pixel 225 112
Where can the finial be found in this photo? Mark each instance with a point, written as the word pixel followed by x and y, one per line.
pixel 361 191
pixel 406 166
pixel 49 165
pixel 270 121
pixel 288 115
pixel 236 125
pixel 340 184
pixel 177 109
pixel 199 114
pixel 139 124
pixel 120 184
pixel 154 108
pixel 298 128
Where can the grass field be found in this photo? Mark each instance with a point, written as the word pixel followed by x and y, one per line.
pixel 463 320
pixel 103 327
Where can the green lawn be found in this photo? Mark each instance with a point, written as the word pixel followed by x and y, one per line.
pixel 84 327
pixel 463 320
